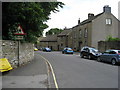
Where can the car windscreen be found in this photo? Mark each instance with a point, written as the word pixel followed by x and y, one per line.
pixel 94 50
pixel 47 48
pixel 69 49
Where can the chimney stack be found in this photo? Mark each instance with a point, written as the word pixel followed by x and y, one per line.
pixel 90 16
pixel 79 21
pixel 107 9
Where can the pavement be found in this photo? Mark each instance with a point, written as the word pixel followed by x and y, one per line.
pixel 32 75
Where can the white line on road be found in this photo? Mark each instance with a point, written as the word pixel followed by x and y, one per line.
pixel 54 77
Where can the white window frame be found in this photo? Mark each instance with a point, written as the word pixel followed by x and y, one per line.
pixel 108 21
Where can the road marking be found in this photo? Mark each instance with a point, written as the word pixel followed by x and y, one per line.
pixel 54 77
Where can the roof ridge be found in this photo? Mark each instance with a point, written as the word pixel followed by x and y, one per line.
pixel 89 20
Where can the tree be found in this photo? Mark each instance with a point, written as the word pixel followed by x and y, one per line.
pixel 30 15
pixel 54 31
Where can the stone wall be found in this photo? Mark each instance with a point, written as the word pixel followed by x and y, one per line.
pixel 9 50
pixel 105 45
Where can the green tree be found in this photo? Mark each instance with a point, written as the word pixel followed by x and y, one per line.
pixel 54 31
pixel 30 15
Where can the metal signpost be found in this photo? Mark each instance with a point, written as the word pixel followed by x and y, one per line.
pixel 19 36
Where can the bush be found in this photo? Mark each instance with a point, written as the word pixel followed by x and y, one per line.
pixel 110 38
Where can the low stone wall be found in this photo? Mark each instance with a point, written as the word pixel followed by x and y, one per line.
pixel 9 50
pixel 105 45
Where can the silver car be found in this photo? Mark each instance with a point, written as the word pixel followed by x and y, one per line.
pixel 112 56
pixel 89 52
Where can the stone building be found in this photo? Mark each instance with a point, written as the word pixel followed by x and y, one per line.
pixel 87 33
pixel 65 39
pixel 96 28
pixel 49 41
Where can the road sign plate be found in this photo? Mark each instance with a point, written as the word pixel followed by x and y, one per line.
pixel 19 37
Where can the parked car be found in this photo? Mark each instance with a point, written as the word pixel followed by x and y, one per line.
pixel 112 56
pixel 47 49
pixel 89 52
pixel 35 49
pixel 67 51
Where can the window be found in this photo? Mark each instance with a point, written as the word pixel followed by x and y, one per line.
pixel 118 51
pixel 112 52
pixel 85 32
pixel 80 33
pixel 75 35
pixel 108 21
pixel 107 51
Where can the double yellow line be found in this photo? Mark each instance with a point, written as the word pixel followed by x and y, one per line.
pixel 54 77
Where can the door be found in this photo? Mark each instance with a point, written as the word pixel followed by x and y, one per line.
pixel 80 44
pixel 58 47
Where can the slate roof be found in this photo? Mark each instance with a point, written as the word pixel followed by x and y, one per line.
pixel 66 32
pixel 90 20
pixel 49 38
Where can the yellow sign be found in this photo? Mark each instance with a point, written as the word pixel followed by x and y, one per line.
pixel 5 65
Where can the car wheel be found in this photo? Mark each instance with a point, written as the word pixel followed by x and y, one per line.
pixel 98 59
pixel 81 55
pixel 89 57
pixel 113 61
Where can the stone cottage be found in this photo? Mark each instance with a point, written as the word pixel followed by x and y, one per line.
pixel 49 41
pixel 96 28
pixel 64 39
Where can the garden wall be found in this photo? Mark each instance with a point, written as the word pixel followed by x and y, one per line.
pixel 9 49
pixel 104 45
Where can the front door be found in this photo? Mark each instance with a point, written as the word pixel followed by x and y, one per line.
pixel 79 47
pixel 58 47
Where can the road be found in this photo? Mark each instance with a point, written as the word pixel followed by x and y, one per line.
pixel 74 72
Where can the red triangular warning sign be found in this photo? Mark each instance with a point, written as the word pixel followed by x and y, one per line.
pixel 20 31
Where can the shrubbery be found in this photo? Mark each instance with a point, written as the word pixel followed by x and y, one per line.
pixel 110 38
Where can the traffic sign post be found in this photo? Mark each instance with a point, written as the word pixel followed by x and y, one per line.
pixel 19 35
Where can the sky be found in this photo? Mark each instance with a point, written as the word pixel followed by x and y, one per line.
pixel 74 9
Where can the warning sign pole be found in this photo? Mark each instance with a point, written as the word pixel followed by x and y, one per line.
pixel 19 36
pixel 18 54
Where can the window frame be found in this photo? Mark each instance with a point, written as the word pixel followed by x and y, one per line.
pixel 86 33
pixel 108 21
pixel 80 33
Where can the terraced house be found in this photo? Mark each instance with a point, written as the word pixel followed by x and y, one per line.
pixel 65 39
pixel 96 28
pixel 49 41
pixel 90 31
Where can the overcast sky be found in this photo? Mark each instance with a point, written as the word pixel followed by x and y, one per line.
pixel 75 9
